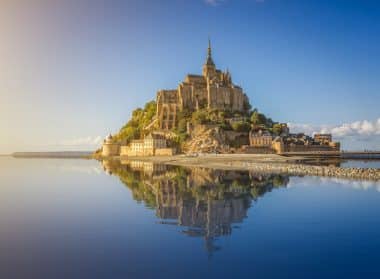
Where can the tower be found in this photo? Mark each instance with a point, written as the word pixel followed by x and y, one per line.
pixel 209 69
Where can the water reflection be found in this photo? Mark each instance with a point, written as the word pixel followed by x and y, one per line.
pixel 206 203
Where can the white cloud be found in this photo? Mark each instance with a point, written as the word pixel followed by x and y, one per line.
pixel 84 141
pixel 312 181
pixel 363 128
pixel 363 134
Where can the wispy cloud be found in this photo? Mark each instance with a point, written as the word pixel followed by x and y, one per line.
pixel 214 2
pixel 83 141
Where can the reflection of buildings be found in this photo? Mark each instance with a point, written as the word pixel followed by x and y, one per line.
pixel 148 168
pixel 206 202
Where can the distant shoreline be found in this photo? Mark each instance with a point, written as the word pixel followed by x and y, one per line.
pixel 55 154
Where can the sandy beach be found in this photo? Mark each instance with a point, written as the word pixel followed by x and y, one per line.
pixel 219 161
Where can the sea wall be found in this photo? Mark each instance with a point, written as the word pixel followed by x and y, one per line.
pixel 165 152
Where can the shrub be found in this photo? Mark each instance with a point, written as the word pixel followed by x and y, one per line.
pixel 140 119
pixel 241 126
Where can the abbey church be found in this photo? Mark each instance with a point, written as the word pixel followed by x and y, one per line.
pixel 213 90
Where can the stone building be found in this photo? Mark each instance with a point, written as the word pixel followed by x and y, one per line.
pixel 304 143
pixel 137 147
pixel 261 141
pixel 260 138
pixel 323 138
pixel 213 90
pixel 153 142
pixel 151 145
pixel 110 148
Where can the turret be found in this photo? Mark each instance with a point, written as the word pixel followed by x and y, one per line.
pixel 226 77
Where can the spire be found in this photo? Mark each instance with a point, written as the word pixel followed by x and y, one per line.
pixel 209 58
pixel 209 47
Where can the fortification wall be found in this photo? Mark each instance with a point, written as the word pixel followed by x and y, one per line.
pixel 165 152
pixel 308 148
pixel 258 150
pixel 124 150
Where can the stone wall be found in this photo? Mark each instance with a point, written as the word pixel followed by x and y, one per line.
pixel 279 147
pixel 261 141
pixel 257 150
pixel 167 108
pixel 165 152
pixel 308 148
pixel 124 150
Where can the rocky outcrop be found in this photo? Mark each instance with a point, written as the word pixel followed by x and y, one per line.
pixel 206 139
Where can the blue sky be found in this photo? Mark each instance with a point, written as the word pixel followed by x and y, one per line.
pixel 72 71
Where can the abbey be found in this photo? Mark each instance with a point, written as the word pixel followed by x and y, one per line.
pixel 207 113
pixel 212 90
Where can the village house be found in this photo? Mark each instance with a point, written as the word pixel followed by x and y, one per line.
pixel 152 145
pixel 260 138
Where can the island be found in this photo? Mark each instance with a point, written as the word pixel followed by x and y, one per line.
pixel 209 121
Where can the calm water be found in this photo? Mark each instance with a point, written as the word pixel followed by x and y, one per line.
pixel 83 219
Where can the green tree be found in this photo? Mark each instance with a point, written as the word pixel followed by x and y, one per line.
pixel 182 125
pixel 258 118
pixel 277 129
pixel 241 126
pixel 139 120
pixel 200 117
pixel 247 106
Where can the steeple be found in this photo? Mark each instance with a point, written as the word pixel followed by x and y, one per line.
pixel 209 58
pixel 209 47
pixel 209 67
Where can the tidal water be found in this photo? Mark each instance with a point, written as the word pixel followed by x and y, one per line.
pixel 63 218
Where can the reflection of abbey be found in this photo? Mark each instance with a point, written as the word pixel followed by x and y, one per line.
pixel 213 90
pixel 207 203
